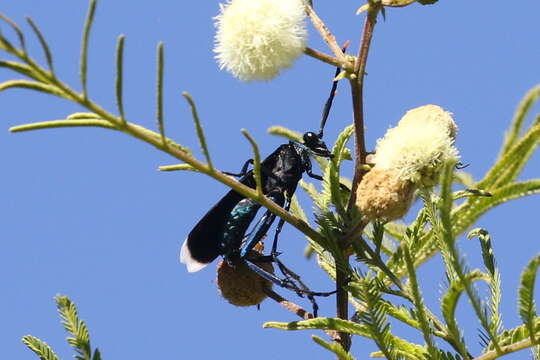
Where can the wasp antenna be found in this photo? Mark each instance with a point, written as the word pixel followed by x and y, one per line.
pixel 328 105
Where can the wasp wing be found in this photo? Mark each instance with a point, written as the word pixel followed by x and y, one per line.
pixel 202 245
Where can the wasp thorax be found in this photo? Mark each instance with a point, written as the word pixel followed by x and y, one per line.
pixel 239 285
pixel 409 156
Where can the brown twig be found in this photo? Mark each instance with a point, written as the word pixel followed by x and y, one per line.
pixel 319 55
pixel 295 309
pixel 397 3
pixel 357 92
pixel 357 83
pixel 327 36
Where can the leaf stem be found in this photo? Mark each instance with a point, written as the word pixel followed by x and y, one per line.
pixel 319 55
pixel 520 345
pixel 327 36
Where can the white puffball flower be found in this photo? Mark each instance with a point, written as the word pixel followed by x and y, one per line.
pixel 256 39
pixel 418 147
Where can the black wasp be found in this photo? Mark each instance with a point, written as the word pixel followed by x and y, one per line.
pixel 222 231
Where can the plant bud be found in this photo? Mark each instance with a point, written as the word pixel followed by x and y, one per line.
pixel 383 195
pixel 240 285
pixel 409 156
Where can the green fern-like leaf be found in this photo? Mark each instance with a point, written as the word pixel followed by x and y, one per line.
pixel 468 213
pixel 522 111
pixel 465 179
pixel 527 306
pixel 449 303
pixel 494 278
pixel 336 348
pixel 322 324
pixel 517 335
pixel 405 350
pixel 420 308
pixel 40 348
pixel 508 167
pixel 332 178
pixel 80 339
pixel 374 318
pixel 285 133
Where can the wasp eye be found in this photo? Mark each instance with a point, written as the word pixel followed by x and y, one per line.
pixel 310 138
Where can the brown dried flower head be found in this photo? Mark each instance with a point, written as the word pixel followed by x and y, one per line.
pixel 383 195
pixel 409 156
pixel 239 285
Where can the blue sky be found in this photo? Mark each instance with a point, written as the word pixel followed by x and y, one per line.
pixel 85 213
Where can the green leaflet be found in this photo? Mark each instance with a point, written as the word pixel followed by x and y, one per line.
pixel 395 230
pixel 507 168
pixel 487 250
pixel 467 214
pixel 40 348
pixel 523 152
pixel 421 309
pixel 374 318
pixel 406 350
pixel 494 277
pixel 449 303
pixel 333 347
pixel 43 43
pixel 331 180
pixel 522 111
pixel 119 81
pixel 456 269
pixel 527 306
pixel 400 313
pixel 21 69
pixel 321 324
pixel 32 85
pixel 177 167
pixel 84 46
pixel 200 132
pixel 17 30
pixel 464 178
pixel 284 132
pixel 515 336
pixel 83 115
pixel 159 103
pixel 80 339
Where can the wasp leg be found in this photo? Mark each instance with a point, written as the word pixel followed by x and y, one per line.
pixel 242 172
pixel 290 284
pixel 264 225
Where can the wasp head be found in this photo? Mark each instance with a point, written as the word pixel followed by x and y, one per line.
pixel 315 144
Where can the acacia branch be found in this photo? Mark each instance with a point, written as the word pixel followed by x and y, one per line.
pixel 357 83
pixel 520 345
pixel 327 36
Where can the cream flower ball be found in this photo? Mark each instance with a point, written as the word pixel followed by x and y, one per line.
pixel 409 156
pixel 419 145
pixel 256 39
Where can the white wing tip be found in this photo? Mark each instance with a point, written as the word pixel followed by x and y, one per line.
pixel 186 258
